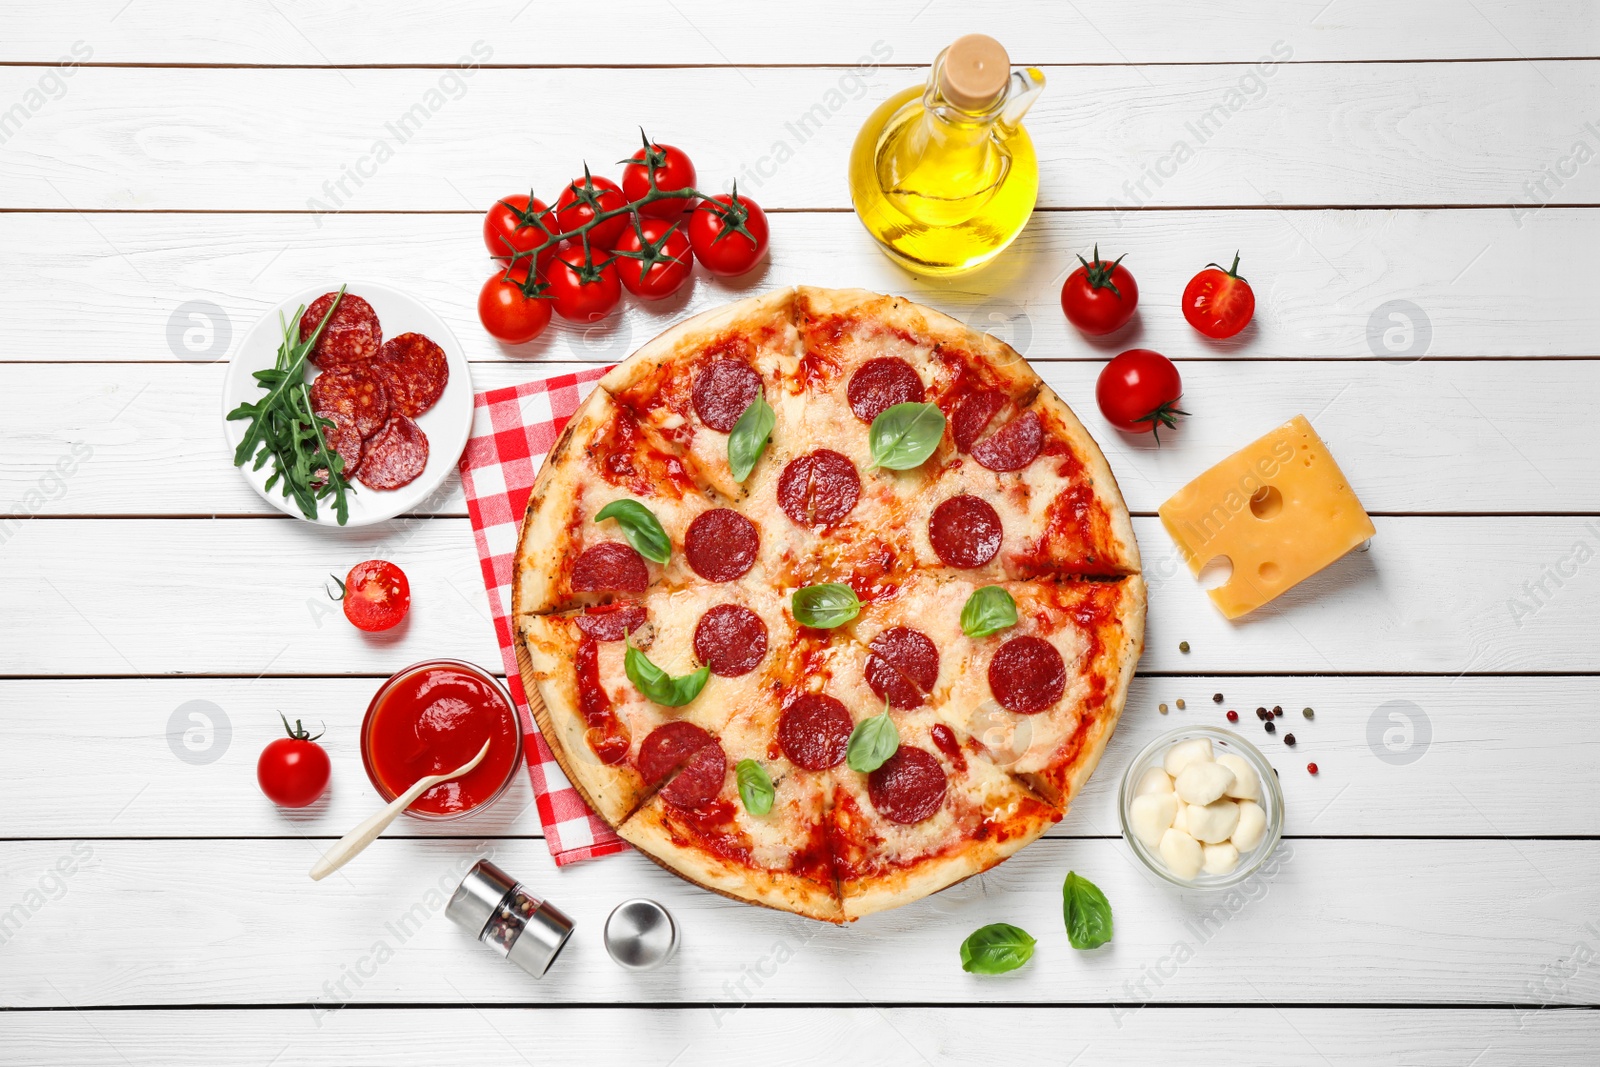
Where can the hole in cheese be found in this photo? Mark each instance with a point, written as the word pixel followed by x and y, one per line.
pixel 1269 571
pixel 1216 572
pixel 1267 503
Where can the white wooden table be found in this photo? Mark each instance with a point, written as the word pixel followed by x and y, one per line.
pixel 1437 897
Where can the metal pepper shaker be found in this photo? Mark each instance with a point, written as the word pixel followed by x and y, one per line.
pixel 499 911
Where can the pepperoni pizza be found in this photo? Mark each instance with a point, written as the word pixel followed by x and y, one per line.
pixel 739 775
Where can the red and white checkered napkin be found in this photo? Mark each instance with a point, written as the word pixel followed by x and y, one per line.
pixel 512 429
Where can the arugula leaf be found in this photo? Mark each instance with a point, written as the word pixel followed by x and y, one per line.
pixel 905 435
pixel 640 527
pixel 996 949
pixel 872 742
pixel 1087 912
pixel 755 787
pixel 822 607
pixel 988 611
pixel 657 684
pixel 748 438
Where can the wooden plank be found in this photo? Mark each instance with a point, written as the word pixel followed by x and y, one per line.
pixel 1125 137
pixel 1356 922
pixel 833 32
pixel 1323 280
pixel 1391 753
pixel 722 1037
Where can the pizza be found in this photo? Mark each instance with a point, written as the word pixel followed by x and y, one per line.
pixel 715 724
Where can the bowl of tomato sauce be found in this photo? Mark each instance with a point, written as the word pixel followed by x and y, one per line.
pixel 431 718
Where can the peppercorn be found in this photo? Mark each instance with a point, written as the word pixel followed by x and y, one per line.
pixel 1288 739
pixel 1261 713
pixel 1183 646
pixel 1271 727
pixel 1180 703
pixel 1216 698
pixel 1233 716
pixel 1163 709
pixel 1277 711
pixel 1312 767
pixel 1308 713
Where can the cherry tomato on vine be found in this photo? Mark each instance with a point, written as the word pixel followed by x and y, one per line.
pixel 1218 302
pixel 376 595
pixel 519 223
pixel 507 312
pixel 1099 297
pixel 654 259
pixel 674 170
pixel 293 771
pixel 728 234
pixel 1139 390
pixel 585 197
pixel 583 293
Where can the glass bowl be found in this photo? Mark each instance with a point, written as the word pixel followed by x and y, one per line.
pixel 1222 741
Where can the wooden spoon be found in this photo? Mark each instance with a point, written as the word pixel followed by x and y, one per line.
pixel 350 845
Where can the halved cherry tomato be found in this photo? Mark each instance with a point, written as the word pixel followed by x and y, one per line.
pixel 376 595
pixel 1218 302
pixel 1139 390
pixel 293 771
pixel 585 197
pixel 728 234
pixel 583 293
pixel 653 258
pixel 1099 297
pixel 519 223
pixel 507 312
pixel 674 170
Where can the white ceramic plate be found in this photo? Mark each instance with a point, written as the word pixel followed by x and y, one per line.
pixel 447 423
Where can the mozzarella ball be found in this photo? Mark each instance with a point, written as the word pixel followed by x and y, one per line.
pixel 1220 859
pixel 1246 785
pixel 1150 815
pixel 1252 826
pixel 1184 753
pixel 1181 853
pixel 1213 822
pixel 1201 783
pixel 1155 780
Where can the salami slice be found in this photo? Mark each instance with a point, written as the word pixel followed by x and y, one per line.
pixel 351 336
pixel 909 787
pixel 611 622
pixel 880 384
pixel 814 732
pixel 667 748
pixel 722 390
pixel 721 545
pixel 731 638
pixel 972 416
pixel 819 488
pixel 344 439
pixel 1027 675
pixel 1013 446
pixel 415 371
pixel 700 781
pixel 902 666
pixel 395 455
pixel 965 531
pixel 610 566
pixel 353 394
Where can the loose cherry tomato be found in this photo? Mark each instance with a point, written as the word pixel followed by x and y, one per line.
pixel 1099 297
pixel 674 170
pixel 1218 302
pixel 585 197
pixel 507 312
pixel 728 233
pixel 653 258
pixel 583 293
pixel 293 771
pixel 1139 390
pixel 376 595
pixel 518 224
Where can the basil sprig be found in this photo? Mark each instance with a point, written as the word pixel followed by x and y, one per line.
pixel 825 606
pixel 996 949
pixel 641 528
pixel 872 742
pixel 755 787
pixel 749 437
pixel 905 435
pixel 988 611
pixel 657 684
pixel 1087 912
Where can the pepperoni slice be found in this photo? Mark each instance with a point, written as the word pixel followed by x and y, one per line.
pixel 814 732
pixel 345 439
pixel 395 455
pixel 700 781
pixel 415 370
pixel 352 393
pixel 721 545
pixel 351 336
pixel 819 488
pixel 880 384
pixel 610 566
pixel 972 417
pixel 669 747
pixel 1013 446
pixel 965 531
pixel 722 390
pixel 1027 675
pixel 902 666
pixel 611 622
pixel 731 638
pixel 909 787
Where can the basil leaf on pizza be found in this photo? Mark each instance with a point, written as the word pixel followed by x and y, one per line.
pixel 749 437
pixel 822 607
pixel 988 611
pixel 1087 912
pixel 657 684
pixel 996 949
pixel 640 527
pixel 872 742
pixel 905 435
pixel 755 787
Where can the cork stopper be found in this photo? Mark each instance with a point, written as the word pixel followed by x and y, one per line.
pixel 976 69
